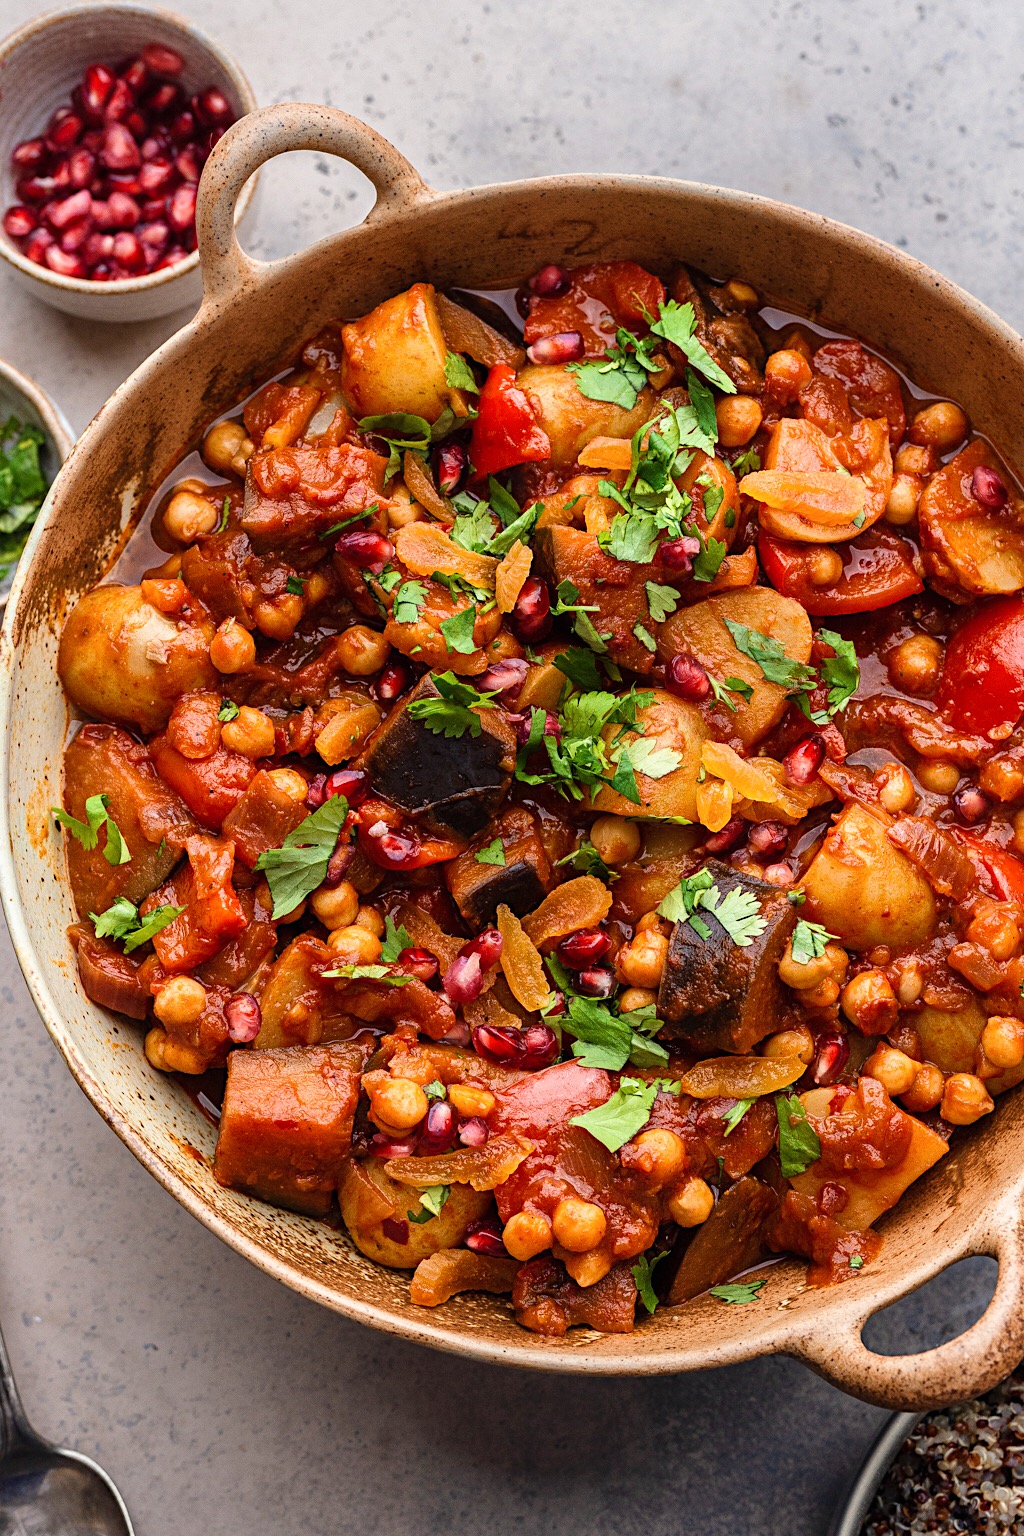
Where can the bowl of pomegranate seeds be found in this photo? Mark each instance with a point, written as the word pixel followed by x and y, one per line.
pixel 107 116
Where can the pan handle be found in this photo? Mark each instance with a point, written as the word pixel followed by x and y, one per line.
pixel 956 1371
pixel 257 138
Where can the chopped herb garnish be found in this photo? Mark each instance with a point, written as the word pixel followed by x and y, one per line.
pixel 228 711
pixel 677 323
pixel 738 911
pixel 746 463
pixel 225 513
pixel 586 860
pixel 409 601
pixel 621 374
pixel 294 586
pixel 739 1292
pixel 605 1038
pixel 799 1145
pixel 642 1272
pixel 87 832
pixel 357 517
pixel 621 1117
pixel 401 430
pixel 458 631
pixel 454 713
pixel 808 941
pixel 661 600
pixel 776 666
pixel 841 672
pixel 122 921
pixel 22 487
pixel 494 853
pixel 369 973
pixel 432 1199
pixel 300 864
pixel 645 638
pixel 797 895
pixel 394 941
pixel 735 1115
pixel 435 1090
pixel 857 1261
pixel 459 374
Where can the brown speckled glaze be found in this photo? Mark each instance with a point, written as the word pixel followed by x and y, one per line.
pixel 254 314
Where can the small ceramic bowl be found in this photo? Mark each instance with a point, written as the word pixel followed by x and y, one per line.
pixel 39 65
pixel 20 397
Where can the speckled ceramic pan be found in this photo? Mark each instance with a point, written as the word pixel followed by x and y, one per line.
pixel 253 315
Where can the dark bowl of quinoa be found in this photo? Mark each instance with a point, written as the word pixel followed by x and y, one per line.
pixel 955 1470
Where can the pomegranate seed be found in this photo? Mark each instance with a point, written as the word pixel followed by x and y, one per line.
pixel 123 181
pixel 731 835
pixel 37 245
pixel 154 236
pixel 64 263
pixel 395 1228
pixel 19 222
pixel 128 251
pixel 181 208
pixel 153 210
pixel 186 163
pixel 120 151
pixel 136 124
pixel 677 554
pixel 549 282
pixel 182 128
pixel 768 838
pixel 61 176
pixel 92 140
pixel 155 175
pixel 29 155
pixel 60 215
pixel 244 1018
pixel 486 946
pixel 123 212
pixel 540 1047
pixel 987 486
pixel 970 805
pixel 315 792
pixel 214 137
pixel 81 168
pixel 152 148
pixel 75 236
pixel 801 763
pixel 353 783
pixel 386 1146
pixel 504 677
pixel 531 616
pixel 394 679
pixel 171 258
pixel 563 347
pixel 583 949
pixel 163 98
pixel 778 874
pixel 163 61
pixel 464 979
pixel 119 103
pixel 97 248
pixel 596 982
pixel 392 851
pixel 97 84
pixel 832 1055
pixel 438 1131
pixel 367 550
pixel 474 1132
pixel 687 679
pixel 418 962
pixel 135 75
pixel 556 1006
pixel 457 1035
pixel 451 461
pixel 36 189
pixel 484 1236
pixel 499 1043
pixel 213 108
pixel 64 132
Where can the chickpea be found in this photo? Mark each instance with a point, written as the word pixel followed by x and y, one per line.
pixel 650 922
pixel 901 507
pixel 870 1002
pixel 251 733
pixel 588 1268
pixel 317 585
pixel 660 1155
pixel 277 617
pixel 187 515
pixel 471 1101
pixel 232 648
pixel 965 1099
pixel 578 1225
pixel 798 1042
pixel 896 791
pixel 361 650
pixel 641 962
pixel 637 997
pixel 1002 778
pixel 802 975
pixel 616 839
pixel 994 927
pixel 180 1002
pixel 925 1092
pixel 786 373
pixel 396 1103
pixel 691 1203
pixel 169 1055
pixel 825 566
pixel 243 456
pixel 221 444
pixel 910 983
pixel 354 946
pixel 1018 832
pixel 526 1234
pixel 336 906
pixel 912 459
pixel 1002 1040
pixel 370 919
pixel 939 776
pixel 402 510
pixel 824 995
pixel 290 782
pixel 739 417
pixel 914 664
pixel 895 1071
pixel 941 425
pixel 741 294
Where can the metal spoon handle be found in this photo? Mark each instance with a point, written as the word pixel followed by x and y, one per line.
pixel 14 1426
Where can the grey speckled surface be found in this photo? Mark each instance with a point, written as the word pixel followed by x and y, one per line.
pixel 220 1401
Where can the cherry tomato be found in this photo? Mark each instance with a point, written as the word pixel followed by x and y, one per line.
pixel 505 432
pixel 598 300
pixel 879 568
pixel 982 682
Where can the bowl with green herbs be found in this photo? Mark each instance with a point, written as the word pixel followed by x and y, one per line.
pixel 34 442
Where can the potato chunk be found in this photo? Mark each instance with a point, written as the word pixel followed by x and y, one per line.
pixel 370 1199
pixel 970 550
pixel 865 890
pixel 394 359
pixel 570 419
pixel 667 722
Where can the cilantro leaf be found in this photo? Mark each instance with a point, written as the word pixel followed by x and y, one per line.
pixel 87 832
pixel 580 667
pixel 776 666
pixel 409 600
pixel 474 530
pixel 739 1293
pixel 436 1089
pixel 225 513
pixel 808 941
pixel 494 853
pixel 432 1199
pixel 228 711
pixel 707 562
pixel 799 1145
pixel 586 860
pixel 703 402
pixel 394 941
pixel 458 631
pixel 453 713
pixel 746 463
pixel 621 374
pixel 122 921
pixel 841 672
pixel 735 1115
pixel 645 637
pixel 857 1261
pixel 294 586
pixel 683 899
pixel 369 973
pixel 642 1271
pixel 619 1118
pixel 400 430
pixel 677 323
pixel 740 915
pixel 661 600
pixel 459 374
pixel 632 535
pixel 648 758
pixel 300 864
